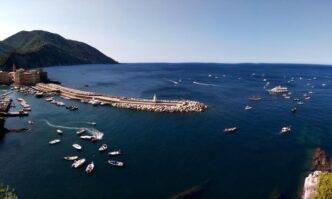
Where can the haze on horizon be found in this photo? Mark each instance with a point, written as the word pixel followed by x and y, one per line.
pixel 184 31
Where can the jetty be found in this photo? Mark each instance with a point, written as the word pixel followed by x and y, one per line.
pixel 152 105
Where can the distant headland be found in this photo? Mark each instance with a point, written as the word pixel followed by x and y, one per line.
pixel 41 49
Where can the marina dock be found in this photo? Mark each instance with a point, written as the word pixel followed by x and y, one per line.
pixel 152 105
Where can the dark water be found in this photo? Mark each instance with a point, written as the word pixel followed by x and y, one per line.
pixel 168 153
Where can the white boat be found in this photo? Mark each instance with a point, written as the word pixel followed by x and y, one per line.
pixel 77 146
pixel 90 168
pixel 230 130
pixel 54 141
pixel 115 163
pixel 114 153
pixel 278 90
pixel 323 85
pixel 70 157
pixel 300 102
pixel 78 163
pixel 30 122
pixel 255 98
pixel 85 137
pixel 103 147
pixel 49 99
pixel 94 102
pixel 248 108
pixel 59 131
pixel 60 103
pixel 285 129
pixel 97 136
pixel 80 131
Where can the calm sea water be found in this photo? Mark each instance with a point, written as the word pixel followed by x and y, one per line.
pixel 169 153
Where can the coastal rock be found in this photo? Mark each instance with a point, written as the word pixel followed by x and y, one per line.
pixel 321 161
pixel 310 188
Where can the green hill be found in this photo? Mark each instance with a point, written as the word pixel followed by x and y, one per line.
pixel 38 48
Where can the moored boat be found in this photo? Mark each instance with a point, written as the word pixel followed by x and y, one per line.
pixel 90 168
pixel 77 146
pixel 247 108
pixel 255 98
pixel 59 131
pixel 85 137
pixel 54 141
pixel 78 163
pixel 115 163
pixel 102 148
pixel 114 153
pixel 70 158
pixel 80 131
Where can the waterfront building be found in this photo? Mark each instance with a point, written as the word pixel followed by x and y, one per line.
pixel 22 76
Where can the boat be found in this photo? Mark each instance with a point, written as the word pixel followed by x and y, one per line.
pixel 78 163
pixel 248 108
pixel 85 137
pixel 300 102
pixel 102 148
pixel 72 108
pixel 94 102
pixel 323 85
pixel 49 99
pixel 97 136
pixel 77 146
pixel 115 163
pixel 60 104
pixel 70 157
pixel 293 110
pixel 255 98
pixel 296 99
pixel 278 90
pixel 80 131
pixel 39 94
pixel 59 131
pixel 30 122
pixel 230 130
pixel 307 98
pixel 285 129
pixel 90 168
pixel 54 141
pixel 114 153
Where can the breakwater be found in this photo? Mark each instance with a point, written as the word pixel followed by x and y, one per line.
pixel 154 105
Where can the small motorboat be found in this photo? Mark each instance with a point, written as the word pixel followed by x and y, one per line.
pixel 39 94
pixel 85 137
pixel 90 168
pixel 54 141
pixel 285 129
pixel 307 98
pixel 97 136
pixel 78 163
pixel 293 110
pixel 114 153
pixel 30 122
pixel 77 146
pixel 70 158
pixel 230 130
pixel 247 108
pixel 60 104
pixel 59 131
pixel 115 163
pixel 300 102
pixel 102 148
pixel 79 132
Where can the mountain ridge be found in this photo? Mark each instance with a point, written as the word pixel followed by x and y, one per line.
pixel 38 48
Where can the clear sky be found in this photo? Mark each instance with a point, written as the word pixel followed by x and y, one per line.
pixel 184 30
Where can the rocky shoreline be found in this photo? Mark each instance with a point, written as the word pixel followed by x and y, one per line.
pixel 321 165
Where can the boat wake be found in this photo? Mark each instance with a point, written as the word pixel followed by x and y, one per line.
pixel 92 131
pixel 174 82
pixel 204 84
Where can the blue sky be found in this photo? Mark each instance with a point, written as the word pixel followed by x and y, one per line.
pixel 297 31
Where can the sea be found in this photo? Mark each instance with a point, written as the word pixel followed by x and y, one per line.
pixel 174 154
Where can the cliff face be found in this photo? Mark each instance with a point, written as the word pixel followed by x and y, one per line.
pixel 41 49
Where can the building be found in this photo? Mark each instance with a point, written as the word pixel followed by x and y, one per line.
pixel 22 76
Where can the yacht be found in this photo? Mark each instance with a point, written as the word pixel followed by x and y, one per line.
pixel 77 146
pixel 70 157
pixel 90 168
pixel 78 163
pixel 278 90
pixel 54 141
pixel 103 148
pixel 59 131
pixel 116 163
